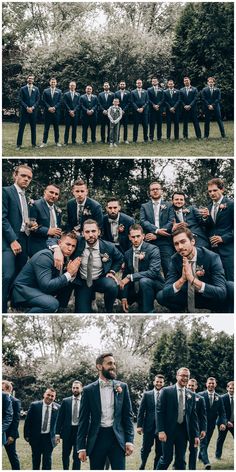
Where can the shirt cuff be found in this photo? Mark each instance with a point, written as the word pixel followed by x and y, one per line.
pixel 54 246
pixel 131 277
pixel 129 444
pixel 81 450
pixel 202 289
pixel 68 276
pixel 176 290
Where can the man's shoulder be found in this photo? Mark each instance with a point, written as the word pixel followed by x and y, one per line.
pixel 66 399
pixel 107 245
pixel 146 204
pixel 71 202
pixel 90 386
pixel 150 248
pixel 43 254
pixel 55 406
pixel 127 218
pixel 36 404
pixel 9 188
pixel 92 202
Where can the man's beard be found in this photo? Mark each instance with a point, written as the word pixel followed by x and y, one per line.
pixel 109 374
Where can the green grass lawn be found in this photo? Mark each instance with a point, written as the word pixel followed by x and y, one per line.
pixel 133 462
pixel 215 146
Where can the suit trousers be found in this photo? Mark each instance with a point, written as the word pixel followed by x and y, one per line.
pixel 155 119
pixel 166 251
pixel 191 116
pixel 89 121
pixel 107 446
pixel 203 454
pixel 228 264
pixel 114 133
pixel 177 439
pixel 84 294
pixel 42 448
pixel 67 444
pixel 105 123
pixel 24 119
pixel 172 117
pixel 51 119
pixel 140 118
pixel 146 294
pixel 70 122
pixel 124 122
pixel 192 460
pixel 12 455
pixel 221 439
pixel 11 266
pixel 179 302
pixel 150 438
pixel 209 114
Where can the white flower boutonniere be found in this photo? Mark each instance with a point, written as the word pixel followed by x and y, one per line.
pixel 58 210
pixel 222 206
pixel 163 207
pixel 121 228
pixel 189 396
pixel 105 257
pixel 185 211
pixel 118 389
pixel 197 399
pixel 31 202
pixel 54 407
pixel 87 212
pixel 200 272
pixel 141 255
pixel 216 399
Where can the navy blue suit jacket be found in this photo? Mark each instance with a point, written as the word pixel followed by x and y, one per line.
pixel 90 416
pixel 213 277
pixel 48 101
pixel 40 211
pixel 201 412
pixel 138 102
pixel 125 103
pixel 123 238
pixel 173 101
pixel 147 413
pixel 29 101
pixel 92 210
pixel 7 415
pixel 167 412
pixel 33 423
pixel 215 411
pixel 166 218
pixel 195 223
pixel 11 216
pixel 14 426
pixel 224 227
pixel 211 99
pixel 155 99
pixel 69 104
pixel 103 103
pixel 64 419
pixel 226 402
pixel 85 105
pixel 190 99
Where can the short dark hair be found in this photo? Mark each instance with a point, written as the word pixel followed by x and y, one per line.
pixel 50 388
pixel 186 77
pixel 211 378
pixel 185 230
pixel 79 182
pixel 52 78
pixel 101 357
pixel 91 222
pixel 136 227
pixel 177 193
pixel 193 380
pixel 53 185
pixel 113 199
pixel 30 75
pixel 155 78
pixel 155 182
pixel 216 181
pixel 159 376
pixel 70 234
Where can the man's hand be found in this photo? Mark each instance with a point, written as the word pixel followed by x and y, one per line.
pixel 82 456
pixel 140 430
pixel 172 110
pixel 204 212
pixel 181 225
pixel 196 442
pixel 112 276
pixel 54 232
pixel 58 259
pixel 16 247
pixel 210 107
pixel 105 112
pixel 162 436
pixel 73 266
pixel 216 240
pixel 129 449
pixel 125 305
pixel 140 110
pixel 222 427
pixel 10 440
pixel 187 269
pixel 230 425
pixel 150 237
pixel 163 232
pixel 57 438
pixel 202 434
pixel 72 113
pixel 29 110
pixel 124 282
pixel 89 112
pixel 52 109
pixel 187 107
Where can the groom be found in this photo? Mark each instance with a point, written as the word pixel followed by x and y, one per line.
pixel 105 422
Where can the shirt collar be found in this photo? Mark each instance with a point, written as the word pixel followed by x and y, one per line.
pixel 155 202
pixel 82 203
pixel 194 258
pixel 219 201
pixel 19 190
pixel 138 248
pixel 45 404
pixel 178 387
pixel 96 245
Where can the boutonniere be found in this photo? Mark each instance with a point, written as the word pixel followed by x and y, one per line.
pixel 33 89
pixel 121 228
pixel 56 91
pixel 222 206
pixel 189 396
pixel 105 257
pixel 197 399
pixel 31 202
pixel 141 255
pixel 86 211
pixel 58 210
pixel 216 399
pixel 185 211
pixel 200 271
pixel 163 207
pixel 54 407
pixel 118 389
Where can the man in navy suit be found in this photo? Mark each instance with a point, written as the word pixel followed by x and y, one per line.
pixel 29 102
pixel 211 96
pixel 105 101
pixel 141 274
pixel 146 422
pixel 189 97
pixel 89 109
pixel 156 102
pixel 228 402
pixel 191 217
pixel 116 225
pixel 156 218
pixel 15 228
pixel 139 101
pixel 172 105
pixel 177 421
pixel 195 278
pixel 40 429
pixel 39 282
pixel 214 409
pixel 7 415
pixel 67 426
pixel 81 207
pixel 48 218
pixel 106 419
pixel 202 421
pixel 71 100
pixel 12 432
pixel 219 220
pixel 52 98
pixel 124 99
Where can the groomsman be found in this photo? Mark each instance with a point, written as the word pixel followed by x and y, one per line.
pixel 71 101
pixel 189 97
pixel 40 427
pixel 156 218
pixel 81 207
pixel 89 109
pixel 7 415
pixel 195 278
pixel 124 97
pixel 106 419
pixel 15 228
pixel 105 101
pixel 12 433
pixel 147 424
pixel 116 225
pixel 202 421
pixel 228 402
pixel 156 102
pixel 141 274
pixel 172 105
pixel 48 218
pixel 219 221
pixel 177 421
pixel 67 426
pixel 214 409
pixel 139 101
pixel 52 98
pixel 191 217
pixel 211 96
pixel 29 102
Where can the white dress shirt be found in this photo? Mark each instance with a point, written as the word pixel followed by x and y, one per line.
pixel 44 409
pixel 107 405
pixel 97 262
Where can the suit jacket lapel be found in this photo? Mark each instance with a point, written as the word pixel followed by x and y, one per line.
pixel 17 198
pixel 151 212
pixel 45 208
pixel 97 397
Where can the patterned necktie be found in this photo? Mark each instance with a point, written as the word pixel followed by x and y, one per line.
pixel 90 268
pixel 45 420
pixel 180 418
pixel 52 93
pixel 215 211
pixel 139 93
pixel 75 410
pixel 30 90
pixel 187 90
pixel 155 89
pixel 171 93
pixel 79 213
pixel 25 213
pixel 179 214
pixel 191 293
pixel 114 229
pixel 52 218
pixel 232 409
pixel 211 89
pixel 211 399
pixel 121 95
pixel 136 268
pixel 72 96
